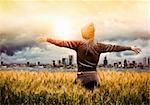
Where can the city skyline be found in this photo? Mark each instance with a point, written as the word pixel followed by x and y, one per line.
pixel 70 60
pixel 67 63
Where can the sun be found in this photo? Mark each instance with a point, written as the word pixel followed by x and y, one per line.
pixel 62 29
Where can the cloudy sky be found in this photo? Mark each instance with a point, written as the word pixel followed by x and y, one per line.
pixel 123 22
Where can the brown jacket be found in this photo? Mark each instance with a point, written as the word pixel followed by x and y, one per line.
pixel 88 54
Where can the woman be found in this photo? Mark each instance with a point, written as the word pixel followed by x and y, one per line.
pixel 88 54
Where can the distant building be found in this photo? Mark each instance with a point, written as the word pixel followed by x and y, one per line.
pixel 28 63
pixel 116 65
pixel 38 63
pixel 54 64
pixel 2 63
pixel 119 64
pixel 70 59
pixel 144 61
pixel 109 66
pixel 140 65
pixel 64 61
pixel 125 63
pixel 59 62
pixel 105 62
pixel 134 64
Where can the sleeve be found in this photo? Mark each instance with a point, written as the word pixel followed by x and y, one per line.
pixel 67 44
pixel 111 48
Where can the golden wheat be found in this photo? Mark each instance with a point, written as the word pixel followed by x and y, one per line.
pixel 58 88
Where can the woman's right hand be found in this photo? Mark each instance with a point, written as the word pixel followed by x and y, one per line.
pixel 136 50
pixel 42 39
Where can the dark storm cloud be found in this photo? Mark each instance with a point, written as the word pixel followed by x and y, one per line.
pixel 126 36
pixel 11 42
pixel 11 48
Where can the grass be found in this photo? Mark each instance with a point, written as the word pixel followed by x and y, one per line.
pixel 58 88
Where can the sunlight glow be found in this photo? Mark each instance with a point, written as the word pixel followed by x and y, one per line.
pixel 62 29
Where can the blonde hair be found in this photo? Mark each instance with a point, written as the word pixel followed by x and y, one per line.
pixel 88 31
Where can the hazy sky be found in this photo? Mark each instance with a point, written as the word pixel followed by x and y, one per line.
pixel 123 22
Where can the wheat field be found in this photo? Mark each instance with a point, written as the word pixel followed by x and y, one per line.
pixel 58 88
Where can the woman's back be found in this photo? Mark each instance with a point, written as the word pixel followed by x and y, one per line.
pixel 87 56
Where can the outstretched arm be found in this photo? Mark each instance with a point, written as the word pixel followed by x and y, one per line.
pixel 60 43
pixel 116 48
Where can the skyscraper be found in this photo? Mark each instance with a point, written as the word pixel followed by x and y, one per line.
pixel 28 63
pixel 105 62
pixel 134 64
pixel 64 61
pixel 70 59
pixel 144 61
pixel 54 65
pixel 2 63
pixel 38 63
pixel 59 62
pixel 125 63
pixel 119 64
